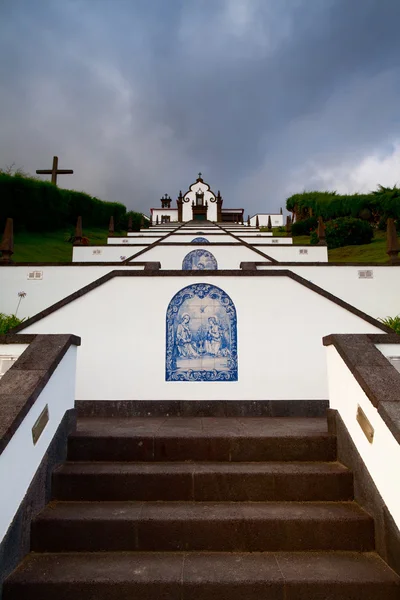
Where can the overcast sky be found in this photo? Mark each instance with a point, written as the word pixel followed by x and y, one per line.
pixel 265 97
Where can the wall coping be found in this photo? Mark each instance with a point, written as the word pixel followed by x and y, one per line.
pixel 379 380
pixel 325 264
pixel 81 264
pixel 23 383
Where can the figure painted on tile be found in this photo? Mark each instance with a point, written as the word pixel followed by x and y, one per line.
pixel 184 338
pixel 214 337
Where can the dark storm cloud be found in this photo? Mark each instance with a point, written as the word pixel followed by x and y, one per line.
pixel 265 97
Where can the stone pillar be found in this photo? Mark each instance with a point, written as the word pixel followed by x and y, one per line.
pixel 269 223
pixel 7 242
pixel 288 225
pixel 180 207
pixel 142 222
pixel 248 220
pixel 157 220
pixel 392 242
pixel 130 224
pixel 219 207
pixel 281 211
pixel 257 222
pixel 78 232
pixel 321 232
pixel 111 227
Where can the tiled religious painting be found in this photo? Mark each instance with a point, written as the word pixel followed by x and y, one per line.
pixel 201 335
pixel 199 259
pixel 200 240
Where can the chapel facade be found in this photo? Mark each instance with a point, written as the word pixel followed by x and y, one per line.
pixel 198 203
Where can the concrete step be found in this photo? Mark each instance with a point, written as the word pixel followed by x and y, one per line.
pixel 255 481
pixel 203 576
pixel 202 439
pixel 202 526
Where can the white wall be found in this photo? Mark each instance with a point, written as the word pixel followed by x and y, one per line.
pixel 122 356
pixel 382 457
pixel 227 257
pixel 139 238
pixel 293 253
pixel 21 458
pixel 104 253
pixel 378 297
pixel 190 196
pixel 256 239
pixel 254 235
pixel 57 283
pixel 276 220
pixel 211 237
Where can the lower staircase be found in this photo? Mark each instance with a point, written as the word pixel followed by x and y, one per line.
pixel 202 508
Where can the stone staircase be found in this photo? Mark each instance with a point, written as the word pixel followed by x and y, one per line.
pixel 202 509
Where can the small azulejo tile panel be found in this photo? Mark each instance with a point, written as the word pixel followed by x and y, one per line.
pixel 198 260
pixel 201 335
pixel 200 240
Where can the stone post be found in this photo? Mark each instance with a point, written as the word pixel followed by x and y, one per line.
pixel 219 207
pixel 180 207
pixel 130 224
pixel 257 222
pixel 7 242
pixel 281 211
pixel 248 220
pixel 157 220
pixel 142 222
pixel 111 227
pixel 392 242
pixel 78 232
pixel 321 232
pixel 288 225
pixel 269 223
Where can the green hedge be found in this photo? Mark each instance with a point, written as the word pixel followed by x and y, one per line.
pixel 345 231
pixel 305 226
pixel 41 206
pixel 374 207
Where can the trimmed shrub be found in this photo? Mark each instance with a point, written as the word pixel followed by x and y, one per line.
pixel 41 206
pixel 345 231
pixel 136 221
pixel 305 226
pixel 373 207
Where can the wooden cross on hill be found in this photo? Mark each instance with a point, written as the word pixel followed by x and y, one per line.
pixel 54 171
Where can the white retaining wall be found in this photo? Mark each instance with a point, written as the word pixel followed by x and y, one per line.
pixel 227 257
pixel 21 458
pixel 56 284
pixel 378 296
pixel 382 457
pixel 122 356
pixel 295 253
pixel 104 253
pixel 276 220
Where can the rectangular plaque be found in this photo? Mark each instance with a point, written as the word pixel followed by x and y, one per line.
pixel 365 425
pixel 40 424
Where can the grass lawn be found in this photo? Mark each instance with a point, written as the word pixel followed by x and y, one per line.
pixel 51 246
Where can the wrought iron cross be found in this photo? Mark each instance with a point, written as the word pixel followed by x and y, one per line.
pixel 54 171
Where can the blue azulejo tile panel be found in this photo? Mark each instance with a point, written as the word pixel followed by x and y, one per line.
pixel 198 260
pixel 200 240
pixel 201 336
